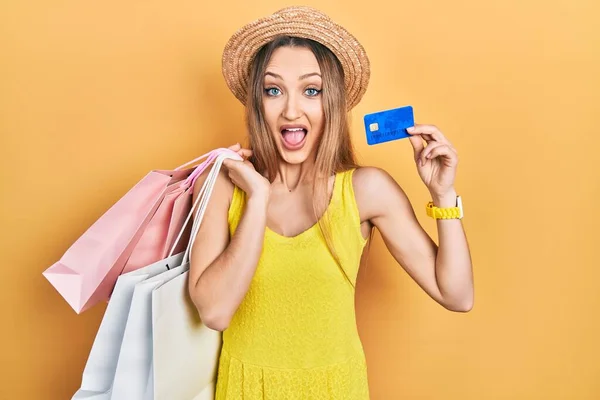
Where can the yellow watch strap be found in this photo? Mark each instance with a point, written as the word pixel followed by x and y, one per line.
pixel 442 213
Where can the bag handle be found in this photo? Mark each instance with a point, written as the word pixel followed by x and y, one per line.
pixel 202 199
pixel 191 179
pixel 211 156
pixel 214 173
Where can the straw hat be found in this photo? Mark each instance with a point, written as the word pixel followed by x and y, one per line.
pixel 303 22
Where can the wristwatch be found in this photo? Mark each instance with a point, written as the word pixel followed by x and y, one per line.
pixel 446 213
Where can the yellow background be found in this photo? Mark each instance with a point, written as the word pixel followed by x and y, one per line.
pixel 95 94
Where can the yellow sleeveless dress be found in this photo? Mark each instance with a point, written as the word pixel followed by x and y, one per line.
pixel 294 336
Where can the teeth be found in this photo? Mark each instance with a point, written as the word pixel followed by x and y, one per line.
pixel 294 129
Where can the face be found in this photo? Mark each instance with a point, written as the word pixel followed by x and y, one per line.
pixel 292 102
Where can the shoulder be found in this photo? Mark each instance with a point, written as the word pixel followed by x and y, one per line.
pixel 223 186
pixel 370 180
pixel 370 177
pixel 375 191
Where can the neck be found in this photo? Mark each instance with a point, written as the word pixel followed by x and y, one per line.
pixel 292 176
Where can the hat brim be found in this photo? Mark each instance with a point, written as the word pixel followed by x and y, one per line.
pixel 303 22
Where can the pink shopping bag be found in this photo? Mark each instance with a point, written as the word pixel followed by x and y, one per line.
pixel 149 248
pixel 87 272
pixel 181 208
pixel 159 235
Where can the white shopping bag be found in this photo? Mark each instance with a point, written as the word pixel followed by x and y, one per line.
pixel 135 357
pixel 100 368
pixel 185 351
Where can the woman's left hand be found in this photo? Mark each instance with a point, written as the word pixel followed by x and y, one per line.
pixel 437 161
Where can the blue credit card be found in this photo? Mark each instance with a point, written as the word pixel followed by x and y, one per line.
pixel 385 126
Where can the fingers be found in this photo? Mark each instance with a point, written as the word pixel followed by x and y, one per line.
pixel 235 165
pixel 230 164
pixel 435 150
pixel 425 154
pixel 429 133
pixel 245 153
pixel 417 144
pixel 235 147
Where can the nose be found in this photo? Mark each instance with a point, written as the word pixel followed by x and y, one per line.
pixel 292 109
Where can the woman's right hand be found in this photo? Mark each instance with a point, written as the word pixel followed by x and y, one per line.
pixel 244 176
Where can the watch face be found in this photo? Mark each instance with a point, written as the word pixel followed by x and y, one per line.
pixel 459 205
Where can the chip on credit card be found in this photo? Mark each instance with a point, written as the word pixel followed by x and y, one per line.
pixel 388 125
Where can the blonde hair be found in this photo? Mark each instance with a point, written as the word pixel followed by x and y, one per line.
pixel 334 153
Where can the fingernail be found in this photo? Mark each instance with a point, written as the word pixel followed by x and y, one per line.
pixel 412 128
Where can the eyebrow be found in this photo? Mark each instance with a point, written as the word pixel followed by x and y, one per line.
pixel 302 77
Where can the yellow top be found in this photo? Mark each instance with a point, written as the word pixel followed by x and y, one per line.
pixel 294 336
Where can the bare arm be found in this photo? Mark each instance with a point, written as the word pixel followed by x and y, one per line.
pixel 222 267
pixel 444 272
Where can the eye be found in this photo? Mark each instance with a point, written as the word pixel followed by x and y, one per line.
pixel 312 92
pixel 272 91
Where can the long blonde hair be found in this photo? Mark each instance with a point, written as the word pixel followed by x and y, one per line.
pixel 334 153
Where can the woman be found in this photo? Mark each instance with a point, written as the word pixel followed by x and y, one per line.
pixel 278 252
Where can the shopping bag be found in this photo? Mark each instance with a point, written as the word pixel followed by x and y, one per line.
pixel 181 207
pixel 135 357
pixel 158 237
pixel 100 374
pixel 152 243
pixel 135 372
pixel 87 272
pixel 99 371
pixel 185 351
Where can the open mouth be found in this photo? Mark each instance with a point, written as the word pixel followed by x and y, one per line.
pixel 294 136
